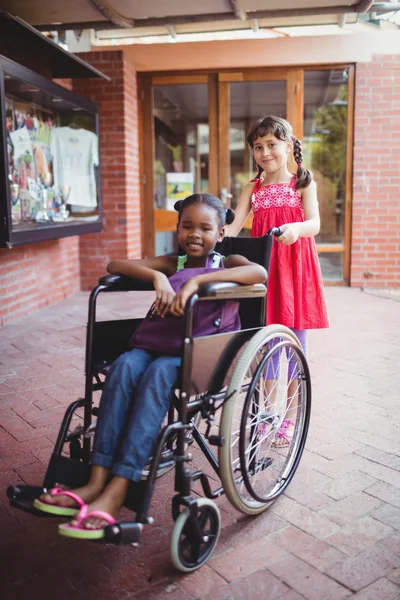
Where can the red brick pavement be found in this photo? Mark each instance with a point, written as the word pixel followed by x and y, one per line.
pixel 336 532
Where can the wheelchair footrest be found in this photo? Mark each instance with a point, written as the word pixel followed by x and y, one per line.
pixel 22 497
pixel 123 533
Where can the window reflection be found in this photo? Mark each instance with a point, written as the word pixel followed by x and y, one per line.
pixel 325 146
pixel 181 142
pixel 181 153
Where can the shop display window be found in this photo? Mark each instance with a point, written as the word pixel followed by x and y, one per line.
pixel 49 159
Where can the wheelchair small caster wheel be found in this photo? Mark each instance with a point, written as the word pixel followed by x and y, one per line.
pixel 194 538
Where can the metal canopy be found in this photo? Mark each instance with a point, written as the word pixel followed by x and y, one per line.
pixel 149 15
pixel 16 34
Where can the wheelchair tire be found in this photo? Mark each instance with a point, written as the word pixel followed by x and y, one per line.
pixel 253 471
pixel 187 552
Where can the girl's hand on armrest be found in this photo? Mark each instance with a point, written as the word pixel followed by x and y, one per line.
pixel 165 294
pixel 179 302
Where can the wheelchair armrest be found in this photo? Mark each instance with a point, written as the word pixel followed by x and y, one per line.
pixel 122 283
pixel 231 291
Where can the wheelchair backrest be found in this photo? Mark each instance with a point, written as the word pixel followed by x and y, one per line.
pixel 258 250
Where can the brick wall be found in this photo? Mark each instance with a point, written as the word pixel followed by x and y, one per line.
pixel 36 275
pixel 375 252
pixel 118 112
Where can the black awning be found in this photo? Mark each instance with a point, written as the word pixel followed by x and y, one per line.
pixel 21 38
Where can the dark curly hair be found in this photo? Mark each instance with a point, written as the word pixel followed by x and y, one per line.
pixel 225 216
pixel 282 130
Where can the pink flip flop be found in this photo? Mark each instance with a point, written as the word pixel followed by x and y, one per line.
pixel 55 509
pixel 78 531
pixel 282 434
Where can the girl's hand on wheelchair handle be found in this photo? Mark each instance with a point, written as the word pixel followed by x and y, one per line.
pixel 290 235
pixel 165 294
pixel 178 305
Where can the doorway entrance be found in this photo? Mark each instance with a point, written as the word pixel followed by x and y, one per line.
pixel 193 139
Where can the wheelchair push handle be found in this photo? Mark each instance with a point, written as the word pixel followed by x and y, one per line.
pixel 276 231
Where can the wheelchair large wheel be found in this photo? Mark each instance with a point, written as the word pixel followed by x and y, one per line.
pixel 194 538
pixel 270 384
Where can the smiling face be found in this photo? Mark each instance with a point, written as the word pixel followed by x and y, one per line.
pixel 271 153
pixel 198 231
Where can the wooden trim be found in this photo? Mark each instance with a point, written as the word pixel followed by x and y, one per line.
pixel 230 76
pixel 165 220
pixel 349 174
pixel 213 186
pixel 329 248
pixel 146 144
pixel 179 79
pixel 224 158
pixel 261 75
pixel 334 283
pixel 295 100
pixel 253 75
pixel 325 67
pixel 274 73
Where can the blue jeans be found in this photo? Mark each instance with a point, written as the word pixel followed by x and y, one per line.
pixel 136 397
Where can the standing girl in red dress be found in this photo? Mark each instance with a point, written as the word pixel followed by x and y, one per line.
pixel 279 198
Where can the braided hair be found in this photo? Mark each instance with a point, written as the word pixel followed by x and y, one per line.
pixel 225 215
pixel 282 130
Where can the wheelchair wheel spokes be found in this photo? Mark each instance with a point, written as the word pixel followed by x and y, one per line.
pixel 257 464
pixel 267 459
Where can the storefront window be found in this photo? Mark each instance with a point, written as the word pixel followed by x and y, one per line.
pixel 52 159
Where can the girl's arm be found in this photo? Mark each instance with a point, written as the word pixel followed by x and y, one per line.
pixel 237 270
pixel 311 224
pixel 242 211
pixel 155 270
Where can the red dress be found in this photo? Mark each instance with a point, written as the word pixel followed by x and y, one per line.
pixel 296 295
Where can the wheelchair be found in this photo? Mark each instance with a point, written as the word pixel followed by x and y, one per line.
pixel 234 392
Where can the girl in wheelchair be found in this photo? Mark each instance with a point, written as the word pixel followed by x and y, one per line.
pixel 139 386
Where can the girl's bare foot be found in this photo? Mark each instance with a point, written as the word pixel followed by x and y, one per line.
pixel 87 493
pixel 110 502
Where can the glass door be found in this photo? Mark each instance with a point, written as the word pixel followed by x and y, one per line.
pixel 243 98
pixel 328 109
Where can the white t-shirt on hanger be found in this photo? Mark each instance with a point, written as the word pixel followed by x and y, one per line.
pixel 75 153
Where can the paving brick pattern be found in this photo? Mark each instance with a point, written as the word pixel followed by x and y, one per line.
pixel 335 534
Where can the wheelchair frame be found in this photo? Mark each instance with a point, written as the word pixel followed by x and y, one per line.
pixel 197 393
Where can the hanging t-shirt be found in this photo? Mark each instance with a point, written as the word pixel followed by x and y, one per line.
pixel 75 154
